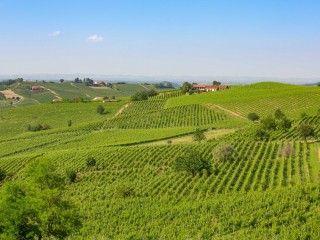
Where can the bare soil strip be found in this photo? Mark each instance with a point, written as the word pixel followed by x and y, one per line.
pixel 9 94
pixel 53 92
pixel 122 109
pixel 228 111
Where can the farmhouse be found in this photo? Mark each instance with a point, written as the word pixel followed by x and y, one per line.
pixel 37 88
pixel 101 84
pixel 209 87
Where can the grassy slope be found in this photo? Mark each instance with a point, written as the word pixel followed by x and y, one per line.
pixel 72 90
pixel 262 98
pixel 258 195
pixel 14 121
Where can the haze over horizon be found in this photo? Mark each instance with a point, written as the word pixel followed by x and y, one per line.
pixel 161 38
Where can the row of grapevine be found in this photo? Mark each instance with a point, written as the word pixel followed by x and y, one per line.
pixel 167 95
pixel 184 116
pixel 144 106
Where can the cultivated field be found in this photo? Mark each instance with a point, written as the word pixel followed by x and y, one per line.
pixel 133 190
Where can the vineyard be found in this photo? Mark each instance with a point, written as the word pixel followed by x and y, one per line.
pixel 265 189
pixel 262 98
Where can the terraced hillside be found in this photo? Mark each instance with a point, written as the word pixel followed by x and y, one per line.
pixel 260 191
pixel 69 90
pixel 262 98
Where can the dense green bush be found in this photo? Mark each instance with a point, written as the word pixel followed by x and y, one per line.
pixel 143 95
pixel 192 162
pixel 37 127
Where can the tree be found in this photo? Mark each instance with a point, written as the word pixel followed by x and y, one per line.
pixel 100 109
pixel 216 83
pixel 261 134
pixel 143 95
pixel 284 124
pixel 306 131
pixel 72 176
pixel 69 123
pixel 278 114
pixel 223 152
pixel 269 123
pixel 3 174
pixel 61 80
pixel 253 117
pixel 77 80
pixel 38 208
pixel 192 162
pixel 91 162
pixel 186 87
pixel 198 135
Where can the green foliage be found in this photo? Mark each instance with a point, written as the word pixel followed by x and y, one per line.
pixel 216 83
pixel 124 190
pixel 262 98
pixel 37 209
pixel 186 87
pixel 37 127
pixel 143 95
pixel 278 114
pixel 198 135
pixel 284 124
pixel 261 134
pixel 3 174
pixel 91 162
pixel 306 131
pixel 223 152
pixel 72 176
pixel 100 109
pixel 253 117
pixel 192 162
pixel 269 123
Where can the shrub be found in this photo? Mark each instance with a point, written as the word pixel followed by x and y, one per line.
pixel 192 162
pixel 223 152
pixel 198 135
pixel 37 127
pixel 278 114
pixel 3 174
pixel 100 109
pixel 91 162
pixel 269 123
pixel 143 95
pixel 261 134
pixel 284 124
pixel 253 117
pixel 306 131
pixel 72 175
pixel 124 190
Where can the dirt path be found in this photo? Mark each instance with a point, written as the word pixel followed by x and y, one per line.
pixel 53 92
pixel 9 94
pixel 228 111
pixel 122 109
pixel 144 87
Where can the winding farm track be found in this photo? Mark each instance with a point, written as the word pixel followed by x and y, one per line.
pixel 53 92
pixel 228 111
pixel 122 109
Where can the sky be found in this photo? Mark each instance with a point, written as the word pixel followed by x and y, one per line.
pixel 274 38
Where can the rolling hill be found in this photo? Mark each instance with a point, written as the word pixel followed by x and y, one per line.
pixel 133 191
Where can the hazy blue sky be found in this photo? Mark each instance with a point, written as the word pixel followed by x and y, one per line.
pixel 279 38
